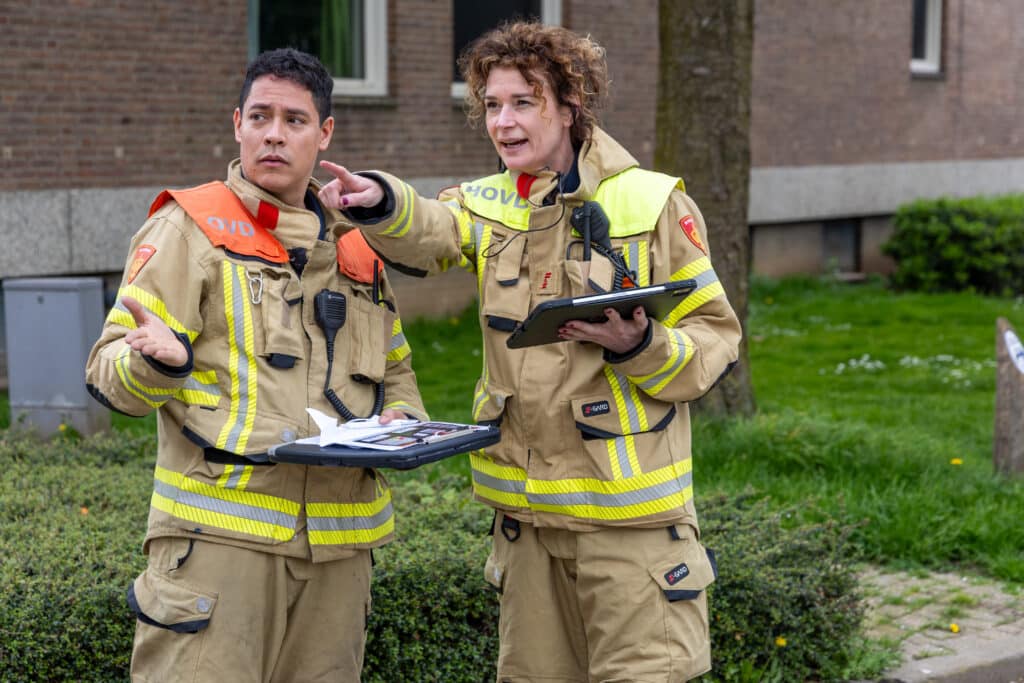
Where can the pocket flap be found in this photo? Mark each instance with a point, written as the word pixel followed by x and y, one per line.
pixel 599 417
pixel 685 577
pixel 158 601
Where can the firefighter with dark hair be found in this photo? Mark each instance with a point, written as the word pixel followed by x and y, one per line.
pixel 239 308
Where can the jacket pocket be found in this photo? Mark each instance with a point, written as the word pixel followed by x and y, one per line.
pixel 602 417
pixel 245 435
pixel 489 403
pixel 685 575
pixel 281 314
pixel 159 601
pixel 369 332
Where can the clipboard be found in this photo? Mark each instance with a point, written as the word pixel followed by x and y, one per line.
pixel 542 323
pixel 407 458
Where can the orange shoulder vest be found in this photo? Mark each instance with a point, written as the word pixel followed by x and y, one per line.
pixel 226 222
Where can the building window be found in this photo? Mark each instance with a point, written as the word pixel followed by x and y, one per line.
pixel 349 36
pixel 926 42
pixel 841 245
pixel 474 18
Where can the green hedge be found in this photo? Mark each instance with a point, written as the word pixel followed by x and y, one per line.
pixel 72 516
pixel 974 244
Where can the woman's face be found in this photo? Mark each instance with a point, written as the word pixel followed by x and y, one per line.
pixel 530 133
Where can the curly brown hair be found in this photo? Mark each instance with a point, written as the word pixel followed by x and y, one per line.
pixel 574 65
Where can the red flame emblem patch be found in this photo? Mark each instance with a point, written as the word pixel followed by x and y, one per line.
pixel 690 230
pixel 142 255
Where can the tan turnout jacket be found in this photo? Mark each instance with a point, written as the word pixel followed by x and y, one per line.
pixel 259 359
pixel 588 439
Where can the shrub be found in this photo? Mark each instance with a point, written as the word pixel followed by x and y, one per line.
pixel 974 244
pixel 72 518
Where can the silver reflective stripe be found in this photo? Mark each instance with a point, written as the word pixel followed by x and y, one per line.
pixel 706 278
pixel 193 384
pixel 506 485
pixel 135 387
pixel 396 341
pixel 350 523
pixel 673 369
pixel 610 500
pixel 235 477
pixel 633 416
pixel 622 455
pixel 241 510
pixel 236 320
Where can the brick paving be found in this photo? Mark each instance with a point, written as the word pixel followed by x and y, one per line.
pixel 950 627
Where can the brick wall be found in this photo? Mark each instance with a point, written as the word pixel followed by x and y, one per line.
pixel 107 94
pixel 832 84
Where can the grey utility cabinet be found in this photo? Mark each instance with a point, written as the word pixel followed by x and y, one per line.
pixel 51 323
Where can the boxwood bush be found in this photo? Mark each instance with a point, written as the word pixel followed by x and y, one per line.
pixel 72 518
pixel 974 244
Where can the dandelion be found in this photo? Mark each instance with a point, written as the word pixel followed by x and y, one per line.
pixel 62 428
pixel 956 461
pixel 954 628
pixel 781 642
pixel 83 511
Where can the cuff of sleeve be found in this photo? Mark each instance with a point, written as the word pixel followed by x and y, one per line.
pixel 373 214
pixel 612 357
pixel 170 370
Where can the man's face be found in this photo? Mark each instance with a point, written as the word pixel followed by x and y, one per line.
pixel 280 134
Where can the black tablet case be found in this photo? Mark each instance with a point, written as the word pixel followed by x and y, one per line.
pixel 541 325
pixel 404 459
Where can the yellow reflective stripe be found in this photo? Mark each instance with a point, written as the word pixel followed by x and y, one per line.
pixel 692 302
pixel 235 476
pixel 682 353
pixel 404 220
pixel 467 246
pixel 673 501
pixel 347 523
pixel 256 514
pixel 500 484
pixel 399 348
pixel 692 269
pixel 647 494
pixel 402 406
pixel 637 259
pixel 241 361
pixel 120 315
pixel 151 396
pixel 632 419
pixel 637 483
pixel 200 389
pixel 485 241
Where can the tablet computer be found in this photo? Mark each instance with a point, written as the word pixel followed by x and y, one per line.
pixel 542 323
pixel 306 452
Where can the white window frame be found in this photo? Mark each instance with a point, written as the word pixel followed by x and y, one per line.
pixel 375 58
pixel 375 40
pixel 550 14
pixel 932 62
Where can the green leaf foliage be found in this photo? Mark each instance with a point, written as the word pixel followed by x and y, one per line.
pixel 73 514
pixel 974 244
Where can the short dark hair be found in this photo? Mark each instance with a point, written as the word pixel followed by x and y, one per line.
pixel 296 66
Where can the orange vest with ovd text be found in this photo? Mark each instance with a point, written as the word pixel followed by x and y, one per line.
pixel 226 222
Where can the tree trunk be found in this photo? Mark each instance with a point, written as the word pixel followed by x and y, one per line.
pixel 703 136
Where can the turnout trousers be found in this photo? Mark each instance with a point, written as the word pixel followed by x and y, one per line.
pixel 216 613
pixel 617 604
